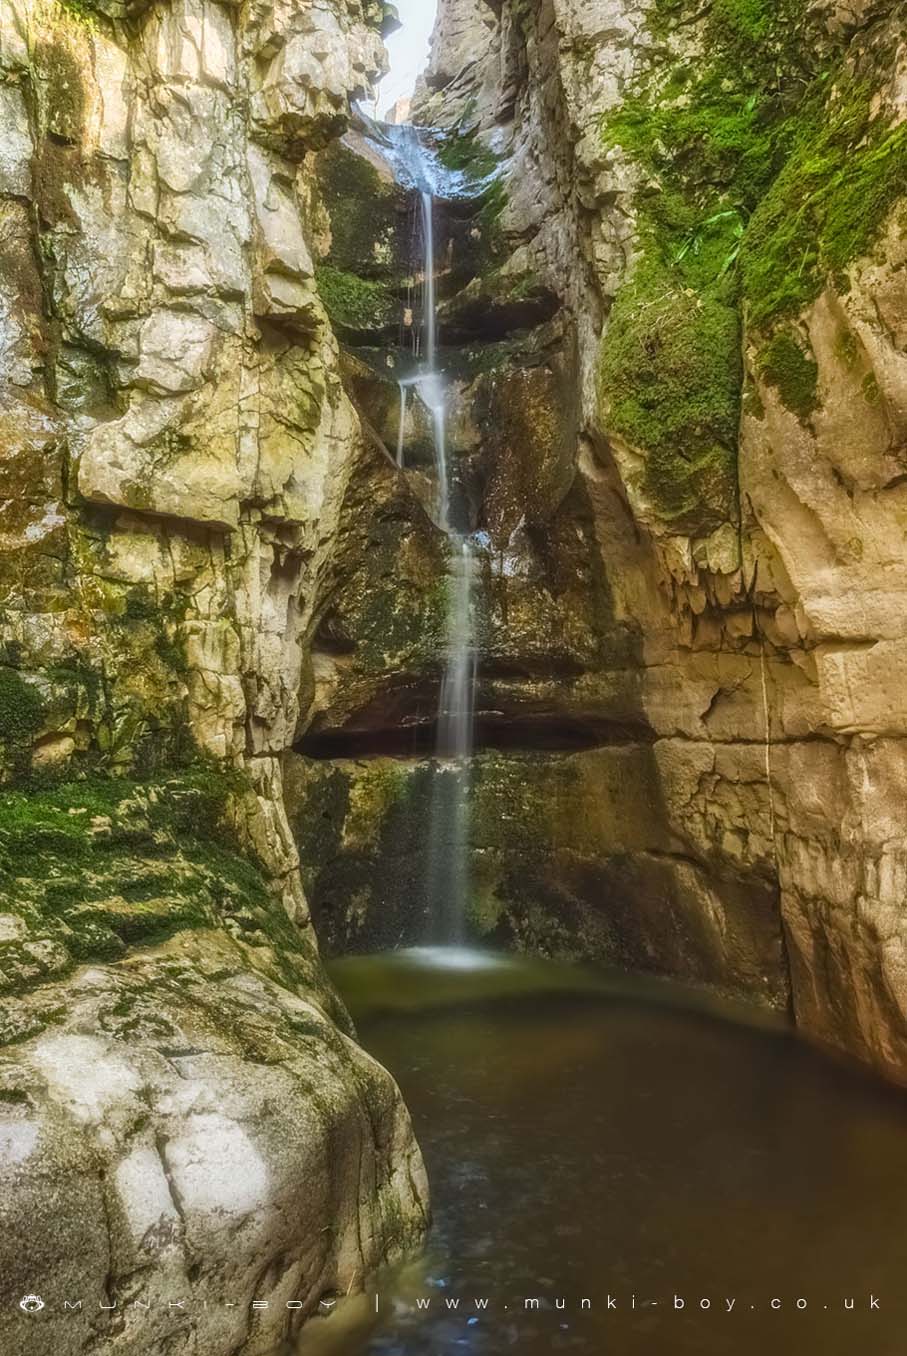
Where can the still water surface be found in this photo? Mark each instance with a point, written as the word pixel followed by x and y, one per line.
pixel 587 1139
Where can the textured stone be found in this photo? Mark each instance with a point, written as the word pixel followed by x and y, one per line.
pixel 770 656
pixel 175 446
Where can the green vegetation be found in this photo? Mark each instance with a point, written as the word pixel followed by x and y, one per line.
pixel 83 10
pixel 672 372
pixel 766 174
pixel 463 151
pixel 826 207
pixel 21 717
pixel 364 210
pixel 98 865
pixel 785 365
pixel 355 303
pixel 711 135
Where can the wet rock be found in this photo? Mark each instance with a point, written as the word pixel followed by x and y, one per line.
pixel 747 514
pixel 571 855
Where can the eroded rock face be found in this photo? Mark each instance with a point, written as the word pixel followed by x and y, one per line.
pixel 690 472
pixel 757 548
pixel 175 447
pixel 571 857
pixel 192 1137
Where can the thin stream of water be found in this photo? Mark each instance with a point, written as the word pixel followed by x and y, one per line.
pixel 448 848
pixel 401 427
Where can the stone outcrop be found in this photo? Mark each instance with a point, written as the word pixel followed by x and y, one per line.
pixel 671 297
pixel 185 1115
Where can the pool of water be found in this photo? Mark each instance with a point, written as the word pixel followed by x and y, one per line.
pixel 594 1146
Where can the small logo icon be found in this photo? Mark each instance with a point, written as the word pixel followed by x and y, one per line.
pixel 327 1304
pixel 32 1304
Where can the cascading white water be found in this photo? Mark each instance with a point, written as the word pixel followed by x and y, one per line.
pixel 449 885
pixel 428 236
pixel 434 397
pixel 449 873
pixel 448 849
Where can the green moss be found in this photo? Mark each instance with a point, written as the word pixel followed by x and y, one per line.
pixel 711 135
pixel 100 865
pixel 785 365
pixel 365 214
pixel 164 620
pixel 828 204
pixel 140 606
pixel 63 90
pixel 21 708
pixel 82 10
pixel 671 376
pixel 21 717
pixel 847 348
pixel 353 303
pixel 465 153
pixel 768 171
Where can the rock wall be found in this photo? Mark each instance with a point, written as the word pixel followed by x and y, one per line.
pixel 185 1115
pixel 672 318
pixel 716 193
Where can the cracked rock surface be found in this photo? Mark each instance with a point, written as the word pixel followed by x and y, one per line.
pixel 185 1117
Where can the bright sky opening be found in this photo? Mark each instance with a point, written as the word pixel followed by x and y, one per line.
pixel 408 50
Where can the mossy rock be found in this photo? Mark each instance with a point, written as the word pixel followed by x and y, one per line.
pixel 22 710
pixel 769 168
pixel 367 211
pixel 785 364
pixel 830 202
pixel 103 865
pixel 358 307
pixel 670 379
pixel 497 304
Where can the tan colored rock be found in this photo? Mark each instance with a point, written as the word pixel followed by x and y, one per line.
pixel 161 1147
pixel 175 446
pixel 771 651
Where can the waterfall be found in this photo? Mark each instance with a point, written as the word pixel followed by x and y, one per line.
pixel 450 818
pixel 430 322
pixel 449 874
pixel 450 813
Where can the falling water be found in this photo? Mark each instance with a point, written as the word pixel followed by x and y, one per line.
pixel 428 237
pixel 449 876
pixel 434 397
pixel 448 850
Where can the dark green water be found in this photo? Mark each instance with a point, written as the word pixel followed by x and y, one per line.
pixel 587 1142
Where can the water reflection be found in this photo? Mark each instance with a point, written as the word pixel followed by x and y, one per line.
pixel 593 1141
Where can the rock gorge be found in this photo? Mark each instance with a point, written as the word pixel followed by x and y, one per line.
pixel 672 313
pixel 672 309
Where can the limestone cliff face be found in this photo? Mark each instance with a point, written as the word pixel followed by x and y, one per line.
pixel 672 318
pixel 181 1116
pixel 716 194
